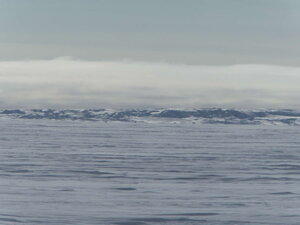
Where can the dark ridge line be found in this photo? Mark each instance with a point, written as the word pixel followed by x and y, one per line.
pixel 212 115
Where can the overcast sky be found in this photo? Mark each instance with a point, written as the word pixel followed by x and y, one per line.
pixel 184 31
pixel 154 47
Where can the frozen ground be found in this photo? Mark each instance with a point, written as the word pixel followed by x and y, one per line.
pixel 73 172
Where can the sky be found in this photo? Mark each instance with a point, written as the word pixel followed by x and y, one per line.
pixel 141 53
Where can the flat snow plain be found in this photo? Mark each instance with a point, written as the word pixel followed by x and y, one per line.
pixel 82 172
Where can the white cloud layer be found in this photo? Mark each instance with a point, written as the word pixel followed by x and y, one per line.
pixel 67 83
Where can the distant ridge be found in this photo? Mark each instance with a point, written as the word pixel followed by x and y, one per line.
pixel 210 116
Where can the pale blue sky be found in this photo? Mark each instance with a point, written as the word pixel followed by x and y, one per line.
pixel 177 31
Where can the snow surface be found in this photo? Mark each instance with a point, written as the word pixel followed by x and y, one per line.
pixel 58 172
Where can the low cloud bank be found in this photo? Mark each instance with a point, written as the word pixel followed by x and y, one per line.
pixel 67 83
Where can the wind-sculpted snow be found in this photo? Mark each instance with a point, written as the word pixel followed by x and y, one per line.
pixel 64 172
pixel 211 116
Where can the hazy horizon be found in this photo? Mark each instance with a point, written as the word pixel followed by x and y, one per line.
pixel 68 83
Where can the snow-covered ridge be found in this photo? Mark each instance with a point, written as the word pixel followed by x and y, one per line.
pixel 211 115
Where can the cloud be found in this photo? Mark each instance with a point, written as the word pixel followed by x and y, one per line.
pixel 68 83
